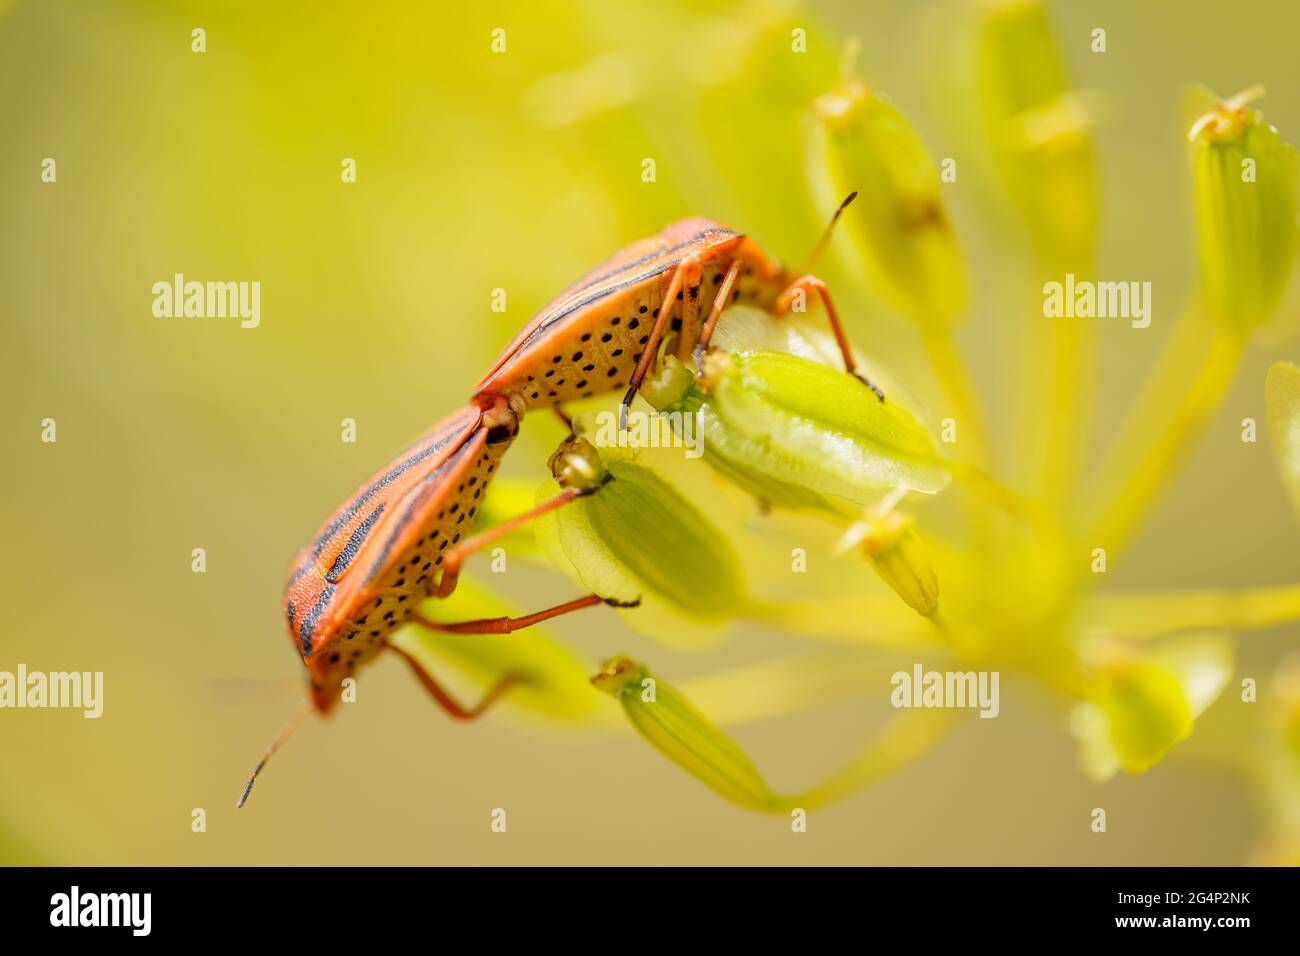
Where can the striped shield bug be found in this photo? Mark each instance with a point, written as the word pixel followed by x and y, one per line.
pixel 401 537
pixel 602 333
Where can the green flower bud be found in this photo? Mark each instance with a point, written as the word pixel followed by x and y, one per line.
pixel 672 725
pixel 642 536
pixel 1141 705
pixel 891 542
pixel 669 722
pixel 898 225
pixel 1039 130
pixel 798 434
pixel 1244 178
pixel 1147 712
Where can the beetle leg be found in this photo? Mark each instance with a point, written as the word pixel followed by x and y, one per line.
pixel 456 555
pixel 719 302
pixel 449 703
pixel 809 284
pixel 687 276
pixel 564 417
pixel 508 625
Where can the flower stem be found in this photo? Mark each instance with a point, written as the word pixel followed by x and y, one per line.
pixel 1066 437
pixel 1156 458
pixel 1148 614
pixel 958 390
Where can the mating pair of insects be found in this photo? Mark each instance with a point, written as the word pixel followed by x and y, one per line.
pixel 404 535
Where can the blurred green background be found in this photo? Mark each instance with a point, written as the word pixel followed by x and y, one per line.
pixel 519 171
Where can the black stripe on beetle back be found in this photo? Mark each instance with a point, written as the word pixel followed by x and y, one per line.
pixel 415 501
pixel 589 281
pixel 308 623
pixel 387 478
pixel 355 541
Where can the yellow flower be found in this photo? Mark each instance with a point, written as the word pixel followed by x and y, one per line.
pixel 1023 582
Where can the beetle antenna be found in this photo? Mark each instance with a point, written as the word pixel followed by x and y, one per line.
pixel 285 732
pixel 826 236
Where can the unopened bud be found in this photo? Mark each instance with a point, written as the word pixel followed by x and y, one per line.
pixel 891 541
pixel 898 226
pixel 796 433
pixel 1244 179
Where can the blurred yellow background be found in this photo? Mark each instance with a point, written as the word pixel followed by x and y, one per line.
pixel 520 170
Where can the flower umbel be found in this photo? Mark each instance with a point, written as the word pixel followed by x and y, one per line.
pixel 796 453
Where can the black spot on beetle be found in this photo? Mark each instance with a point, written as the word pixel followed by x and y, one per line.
pixel 606 337
pixel 582 384
pixel 677 325
pixel 611 373
pixel 577 356
pixel 586 336
pixel 634 323
pixel 642 310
